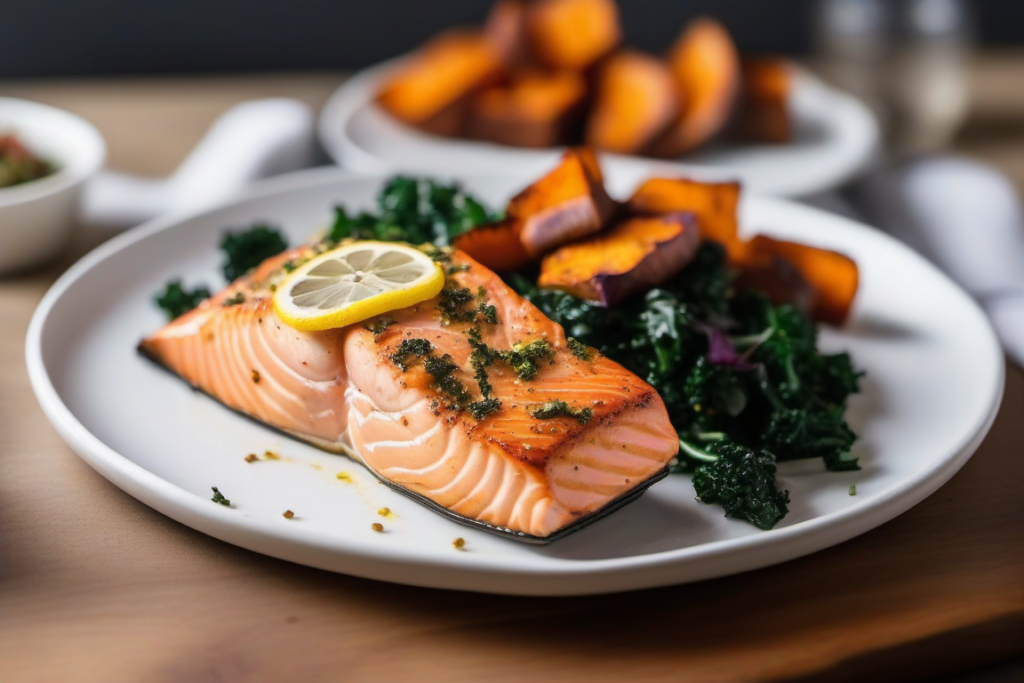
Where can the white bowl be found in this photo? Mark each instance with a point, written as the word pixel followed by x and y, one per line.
pixel 36 218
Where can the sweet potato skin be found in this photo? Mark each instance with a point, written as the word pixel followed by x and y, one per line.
pixel 572 34
pixel 833 277
pixel 762 113
pixel 534 109
pixel 636 100
pixel 631 256
pixel 705 64
pixel 777 278
pixel 714 204
pixel 432 91
pixel 822 282
pixel 495 245
pixel 568 203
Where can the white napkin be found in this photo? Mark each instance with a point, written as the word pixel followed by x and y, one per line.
pixel 254 139
pixel 966 218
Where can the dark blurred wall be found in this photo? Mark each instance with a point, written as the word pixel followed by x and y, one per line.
pixel 80 37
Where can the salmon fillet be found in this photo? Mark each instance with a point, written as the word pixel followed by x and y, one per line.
pixel 532 467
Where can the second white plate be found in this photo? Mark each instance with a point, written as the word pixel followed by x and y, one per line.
pixel 933 385
pixel 835 138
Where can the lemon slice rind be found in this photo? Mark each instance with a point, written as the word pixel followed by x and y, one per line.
pixel 355 282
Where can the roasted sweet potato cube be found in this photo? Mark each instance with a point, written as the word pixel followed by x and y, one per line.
pixel 572 34
pixel 535 109
pixel 776 277
pixel 495 245
pixel 636 101
pixel 706 68
pixel 762 114
pixel 630 257
pixel 432 90
pixel 588 157
pixel 833 277
pixel 505 30
pixel 714 204
pixel 568 203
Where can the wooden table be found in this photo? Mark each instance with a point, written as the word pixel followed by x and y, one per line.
pixel 95 586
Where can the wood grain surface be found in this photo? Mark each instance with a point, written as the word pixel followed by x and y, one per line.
pixel 95 586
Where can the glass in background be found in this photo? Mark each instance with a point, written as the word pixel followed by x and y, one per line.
pixel 906 59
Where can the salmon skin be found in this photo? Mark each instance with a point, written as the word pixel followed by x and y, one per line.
pixel 473 402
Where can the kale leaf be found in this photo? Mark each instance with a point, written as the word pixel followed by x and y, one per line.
pixel 414 210
pixel 742 481
pixel 176 301
pixel 245 250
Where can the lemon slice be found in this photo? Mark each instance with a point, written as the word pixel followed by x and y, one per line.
pixel 356 282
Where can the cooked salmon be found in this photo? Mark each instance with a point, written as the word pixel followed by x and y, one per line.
pixel 528 444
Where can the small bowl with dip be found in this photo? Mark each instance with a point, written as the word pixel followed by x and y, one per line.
pixel 40 194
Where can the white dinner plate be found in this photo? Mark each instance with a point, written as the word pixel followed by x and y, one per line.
pixel 835 137
pixel 933 385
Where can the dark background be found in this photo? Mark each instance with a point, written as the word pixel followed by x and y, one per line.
pixel 83 37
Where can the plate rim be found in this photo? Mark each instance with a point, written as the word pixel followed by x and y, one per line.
pixel 351 95
pixel 464 571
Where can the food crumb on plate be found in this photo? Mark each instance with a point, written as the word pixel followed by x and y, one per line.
pixel 853 489
pixel 252 457
pixel 218 497
pixel 378 527
pixel 459 543
pixel 288 514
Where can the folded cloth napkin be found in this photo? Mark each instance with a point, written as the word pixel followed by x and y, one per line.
pixel 966 218
pixel 252 140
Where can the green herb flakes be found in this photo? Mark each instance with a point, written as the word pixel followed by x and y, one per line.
pixel 218 497
pixel 410 349
pixel 525 359
pixel 554 409
pixel 442 369
pixel 488 312
pixel 452 304
pixel 481 409
pixel 379 325
pixel 579 349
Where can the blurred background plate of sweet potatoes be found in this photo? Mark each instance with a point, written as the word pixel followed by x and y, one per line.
pixel 542 74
